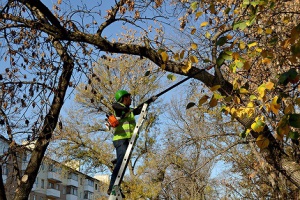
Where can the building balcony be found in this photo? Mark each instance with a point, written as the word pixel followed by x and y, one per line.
pixel 53 176
pixel 88 188
pixel 72 182
pixel 71 197
pixel 53 193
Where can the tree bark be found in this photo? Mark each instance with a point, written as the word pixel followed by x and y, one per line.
pixel 24 188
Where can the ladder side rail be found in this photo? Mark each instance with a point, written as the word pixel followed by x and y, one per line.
pixel 129 151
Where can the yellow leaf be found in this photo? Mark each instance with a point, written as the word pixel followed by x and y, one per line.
pixel 258 126
pixel 176 57
pixel 275 106
pixel 286 20
pixel 226 110
pixel 214 88
pixel 250 110
pixel 243 91
pixel 213 102
pixel 235 84
pixel 204 24
pixel 250 105
pixel 163 66
pixel 266 61
pixel 236 11
pixel 259 50
pixel 268 31
pixel 187 67
pixel 269 85
pixel 164 56
pixel 233 111
pixel 203 100
pixel 259 30
pixel 262 142
pixel 242 45
pixel 252 44
pixel 218 96
pixel 207 35
pixel 198 14
pixel 194 46
pixel 193 59
pixel 193 31
pixel 181 54
pixel 261 90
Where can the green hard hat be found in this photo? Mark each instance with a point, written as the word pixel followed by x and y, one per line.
pixel 120 93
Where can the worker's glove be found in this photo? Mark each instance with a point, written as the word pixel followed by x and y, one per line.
pixel 152 99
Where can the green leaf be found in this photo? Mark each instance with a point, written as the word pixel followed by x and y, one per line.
pixel 241 25
pixel 246 2
pixel 294 120
pixel 239 64
pixel 227 10
pixel 293 135
pixel 206 60
pixel 222 41
pixel 147 73
pixel 171 77
pixel 283 78
pixel 251 20
pixel 288 76
pixel 191 104
pixel 227 55
pixel 220 61
pixel 194 5
pixel 273 41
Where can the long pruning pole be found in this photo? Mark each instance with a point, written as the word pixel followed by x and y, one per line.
pixel 173 86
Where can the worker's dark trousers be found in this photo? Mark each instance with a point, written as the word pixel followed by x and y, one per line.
pixel 121 147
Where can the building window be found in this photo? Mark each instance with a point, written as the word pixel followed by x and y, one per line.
pixel 64 190
pixel 42 183
pixel 52 168
pixel 51 185
pixel 96 186
pixel 88 195
pixel 73 176
pixel 90 182
pixel 72 190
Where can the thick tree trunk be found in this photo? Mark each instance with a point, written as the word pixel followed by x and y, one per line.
pixel 24 187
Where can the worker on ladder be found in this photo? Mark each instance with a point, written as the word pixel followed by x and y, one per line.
pixel 123 131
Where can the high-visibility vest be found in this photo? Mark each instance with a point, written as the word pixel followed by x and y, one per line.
pixel 125 128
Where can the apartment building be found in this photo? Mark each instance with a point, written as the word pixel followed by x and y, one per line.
pixel 55 181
